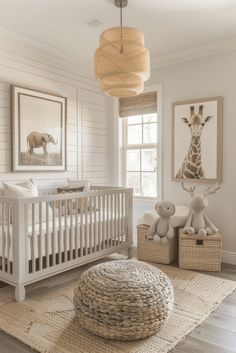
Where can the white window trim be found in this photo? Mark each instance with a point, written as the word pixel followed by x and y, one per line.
pixel 120 151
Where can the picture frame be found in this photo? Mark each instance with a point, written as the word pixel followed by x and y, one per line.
pixel 38 130
pixel 197 140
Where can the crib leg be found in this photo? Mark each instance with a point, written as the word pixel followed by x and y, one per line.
pixel 130 252
pixel 19 293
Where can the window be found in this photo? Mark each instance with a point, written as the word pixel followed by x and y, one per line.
pixel 140 143
pixel 140 154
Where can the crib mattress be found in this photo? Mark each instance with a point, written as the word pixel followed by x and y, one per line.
pixel 67 233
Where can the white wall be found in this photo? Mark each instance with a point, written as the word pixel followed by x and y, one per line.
pixel 92 132
pixel 87 120
pixel 211 76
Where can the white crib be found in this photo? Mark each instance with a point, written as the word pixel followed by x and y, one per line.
pixel 52 233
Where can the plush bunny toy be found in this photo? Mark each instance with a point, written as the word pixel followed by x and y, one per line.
pixel 161 230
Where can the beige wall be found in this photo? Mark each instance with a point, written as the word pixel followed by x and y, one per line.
pixel 211 76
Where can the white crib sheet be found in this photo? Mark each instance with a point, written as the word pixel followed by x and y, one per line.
pixel 67 239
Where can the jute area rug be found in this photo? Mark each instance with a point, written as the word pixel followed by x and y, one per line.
pixel 45 320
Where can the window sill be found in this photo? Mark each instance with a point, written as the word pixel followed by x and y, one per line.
pixel 140 199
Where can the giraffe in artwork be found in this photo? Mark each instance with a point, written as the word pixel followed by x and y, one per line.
pixel 192 165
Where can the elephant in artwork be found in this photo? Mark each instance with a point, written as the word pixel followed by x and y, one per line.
pixel 37 139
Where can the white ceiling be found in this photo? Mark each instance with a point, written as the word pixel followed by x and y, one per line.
pixel 168 25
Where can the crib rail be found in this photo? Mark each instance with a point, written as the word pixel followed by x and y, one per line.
pixel 56 232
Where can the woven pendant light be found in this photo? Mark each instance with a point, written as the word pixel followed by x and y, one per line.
pixel 121 62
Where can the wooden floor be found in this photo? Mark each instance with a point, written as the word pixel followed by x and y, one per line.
pixel 216 335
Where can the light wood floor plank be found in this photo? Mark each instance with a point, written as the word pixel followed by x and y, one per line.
pixel 193 345
pixel 220 320
pixel 215 335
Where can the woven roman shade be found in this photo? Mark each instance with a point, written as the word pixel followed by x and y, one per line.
pixel 145 103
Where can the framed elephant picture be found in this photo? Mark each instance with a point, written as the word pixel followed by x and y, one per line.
pixel 39 130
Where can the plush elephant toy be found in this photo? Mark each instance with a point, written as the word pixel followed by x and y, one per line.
pixel 162 229
pixel 36 139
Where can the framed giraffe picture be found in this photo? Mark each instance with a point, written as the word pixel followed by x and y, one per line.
pixel 197 140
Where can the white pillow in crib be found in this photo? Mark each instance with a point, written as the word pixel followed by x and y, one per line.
pixel 73 183
pixel 20 190
pixel 26 189
pixel 23 189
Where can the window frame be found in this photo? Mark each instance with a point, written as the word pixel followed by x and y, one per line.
pixel 124 147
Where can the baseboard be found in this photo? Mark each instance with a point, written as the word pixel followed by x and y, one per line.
pixel 229 257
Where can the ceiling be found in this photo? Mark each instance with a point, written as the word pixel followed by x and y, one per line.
pixel 168 25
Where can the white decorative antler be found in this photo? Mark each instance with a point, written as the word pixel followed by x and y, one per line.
pixel 190 191
pixel 210 191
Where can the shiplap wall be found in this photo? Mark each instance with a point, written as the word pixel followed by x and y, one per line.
pixel 87 115
pixel 95 136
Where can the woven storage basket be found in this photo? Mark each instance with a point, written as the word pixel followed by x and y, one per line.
pixel 200 252
pixel 151 251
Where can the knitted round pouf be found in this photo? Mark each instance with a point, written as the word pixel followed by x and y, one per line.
pixel 123 300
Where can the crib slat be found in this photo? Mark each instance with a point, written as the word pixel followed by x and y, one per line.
pixel 126 219
pixel 76 205
pixel 83 232
pixel 103 221
pixel 8 234
pixel 95 239
pixel 65 231
pixel 47 236
pixel 112 219
pixel 106 220
pixel 33 236
pixel 40 239
pixel 109 233
pixel 53 240
pixel 60 234
pixel 3 237
pixel 99 222
pixel 70 207
pixel 86 225
pixel 79 236
pixel 11 238
pixel 6 239
pixel 116 219
pixel 119 218
pixel 90 225
pixel 122 217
